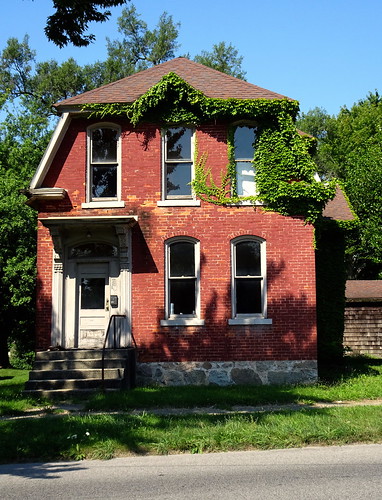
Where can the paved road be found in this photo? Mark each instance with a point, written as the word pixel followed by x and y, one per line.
pixel 348 472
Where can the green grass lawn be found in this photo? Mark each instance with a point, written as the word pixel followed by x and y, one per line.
pixel 108 435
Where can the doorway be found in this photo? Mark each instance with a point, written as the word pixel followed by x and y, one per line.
pixel 93 304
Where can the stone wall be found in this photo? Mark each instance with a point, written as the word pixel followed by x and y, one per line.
pixel 227 373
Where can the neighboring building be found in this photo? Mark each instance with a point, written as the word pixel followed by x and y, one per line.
pixel 363 317
pixel 213 292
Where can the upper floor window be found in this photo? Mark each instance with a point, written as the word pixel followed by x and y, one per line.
pixel 104 163
pixel 178 163
pixel 244 139
pixel 248 277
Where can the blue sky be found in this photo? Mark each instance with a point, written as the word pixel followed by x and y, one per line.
pixel 324 53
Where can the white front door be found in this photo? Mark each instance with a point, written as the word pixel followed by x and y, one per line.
pixel 93 295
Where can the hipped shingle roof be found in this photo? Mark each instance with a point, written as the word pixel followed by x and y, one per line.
pixel 209 81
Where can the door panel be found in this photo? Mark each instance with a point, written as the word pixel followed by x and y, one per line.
pixel 93 304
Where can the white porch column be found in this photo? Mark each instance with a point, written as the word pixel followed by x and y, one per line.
pixel 123 234
pixel 57 287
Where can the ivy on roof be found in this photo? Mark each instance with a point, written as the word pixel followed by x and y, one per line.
pixel 284 167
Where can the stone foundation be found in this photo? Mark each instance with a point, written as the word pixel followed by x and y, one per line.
pixel 227 373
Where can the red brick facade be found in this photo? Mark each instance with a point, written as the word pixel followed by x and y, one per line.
pixel 289 255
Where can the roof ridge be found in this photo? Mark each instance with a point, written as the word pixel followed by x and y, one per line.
pixel 211 82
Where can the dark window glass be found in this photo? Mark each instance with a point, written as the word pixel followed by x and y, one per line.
pixel 104 183
pixel 93 250
pixel 182 296
pixel 178 179
pixel 104 145
pixel 178 143
pixel 248 258
pixel 248 296
pixel 92 293
pixel 182 259
pixel 244 142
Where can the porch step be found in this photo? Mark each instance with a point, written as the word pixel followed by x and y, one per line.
pixel 79 372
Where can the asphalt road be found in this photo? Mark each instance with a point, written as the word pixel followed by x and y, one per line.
pixel 347 472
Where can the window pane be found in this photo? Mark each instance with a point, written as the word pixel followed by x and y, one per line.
pixel 93 250
pixel 244 139
pixel 248 258
pixel 178 179
pixel 104 145
pixel 248 296
pixel 104 183
pixel 245 178
pixel 178 143
pixel 182 296
pixel 182 259
pixel 92 293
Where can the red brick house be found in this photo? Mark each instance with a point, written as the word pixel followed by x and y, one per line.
pixel 213 292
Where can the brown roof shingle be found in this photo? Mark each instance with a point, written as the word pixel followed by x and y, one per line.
pixel 338 208
pixel 209 81
pixel 363 289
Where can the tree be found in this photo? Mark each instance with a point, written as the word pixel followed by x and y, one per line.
pixel 223 58
pixel 23 139
pixel 70 21
pixel 350 148
pixel 39 84
pixel 140 48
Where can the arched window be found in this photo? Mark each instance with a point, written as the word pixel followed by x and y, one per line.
pixel 182 281
pixel 248 278
pixel 103 163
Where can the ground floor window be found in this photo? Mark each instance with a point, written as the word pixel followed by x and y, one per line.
pixel 248 277
pixel 182 278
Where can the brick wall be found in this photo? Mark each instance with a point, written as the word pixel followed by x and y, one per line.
pixel 289 244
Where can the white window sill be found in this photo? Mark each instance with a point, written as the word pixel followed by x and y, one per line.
pixel 178 203
pixel 250 321
pixel 244 203
pixel 182 322
pixel 103 204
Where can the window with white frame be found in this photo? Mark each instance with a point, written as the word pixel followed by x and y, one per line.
pixel 244 139
pixel 248 277
pixel 182 280
pixel 178 163
pixel 103 163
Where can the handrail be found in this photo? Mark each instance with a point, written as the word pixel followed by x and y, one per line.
pixel 112 319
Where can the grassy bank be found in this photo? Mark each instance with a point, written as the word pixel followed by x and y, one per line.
pixel 357 378
pixel 108 435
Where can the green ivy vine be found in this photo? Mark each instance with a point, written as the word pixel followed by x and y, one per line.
pixel 284 167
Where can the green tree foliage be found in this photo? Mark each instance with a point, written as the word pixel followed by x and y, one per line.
pixel 23 139
pixel 39 85
pixel 350 147
pixel 140 48
pixel 70 21
pixel 223 57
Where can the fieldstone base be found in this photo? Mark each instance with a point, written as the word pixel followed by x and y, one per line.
pixel 227 373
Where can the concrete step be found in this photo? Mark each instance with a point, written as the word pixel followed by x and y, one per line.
pixel 109 373
pixel 64 373
pixel 72 354
pixel 77 364
pixel 63 394
pixel 54 384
